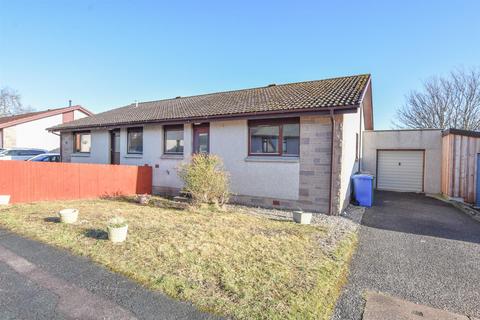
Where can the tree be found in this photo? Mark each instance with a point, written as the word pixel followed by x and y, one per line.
pixel 445 102
pixel 10 103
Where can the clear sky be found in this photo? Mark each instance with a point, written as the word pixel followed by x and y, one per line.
pixel 106 54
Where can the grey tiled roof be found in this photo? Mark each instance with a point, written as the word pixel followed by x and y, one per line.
pixel 301 96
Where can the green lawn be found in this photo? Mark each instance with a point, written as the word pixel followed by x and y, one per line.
pixel 226 262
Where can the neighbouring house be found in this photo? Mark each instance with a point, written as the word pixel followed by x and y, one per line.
pixel 290 146
pixel 29 130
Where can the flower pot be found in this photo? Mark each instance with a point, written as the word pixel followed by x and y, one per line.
pixel 143 199
pixel 302 217
pixel 68 215
pixel 4 199
pixel 117 234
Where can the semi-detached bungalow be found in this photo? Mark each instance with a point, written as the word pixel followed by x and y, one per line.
pixel 287 146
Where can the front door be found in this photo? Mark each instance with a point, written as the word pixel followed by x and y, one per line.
pixel 201 138
pixel 115 146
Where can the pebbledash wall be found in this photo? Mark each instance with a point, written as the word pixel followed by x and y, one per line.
pixel 282 182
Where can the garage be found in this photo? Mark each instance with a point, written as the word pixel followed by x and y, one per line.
pixel 400 170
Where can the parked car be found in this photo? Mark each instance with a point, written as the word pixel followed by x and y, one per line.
pixel 46 157
pixel 20 153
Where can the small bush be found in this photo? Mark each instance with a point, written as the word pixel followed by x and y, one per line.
pixel 205 179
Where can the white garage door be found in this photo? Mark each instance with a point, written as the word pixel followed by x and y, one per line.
pixel 400 170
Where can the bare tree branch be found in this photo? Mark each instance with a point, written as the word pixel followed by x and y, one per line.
pixel 11 104
pixel 444 102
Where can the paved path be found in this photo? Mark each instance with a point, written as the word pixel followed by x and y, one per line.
pixel 378 305
pixel 419 249
pixel 38 281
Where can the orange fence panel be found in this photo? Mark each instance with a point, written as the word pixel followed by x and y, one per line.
pixel 37 181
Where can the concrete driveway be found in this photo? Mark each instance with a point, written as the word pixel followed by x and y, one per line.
pixel 418 249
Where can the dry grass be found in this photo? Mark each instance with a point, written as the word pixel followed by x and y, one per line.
pixel 229 263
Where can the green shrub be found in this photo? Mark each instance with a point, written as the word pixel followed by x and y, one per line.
pixel 205 179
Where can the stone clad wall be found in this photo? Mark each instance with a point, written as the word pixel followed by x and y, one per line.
pixel 66 142
pixel 315 156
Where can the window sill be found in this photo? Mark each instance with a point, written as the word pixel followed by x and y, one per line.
pixel 133 155
pixel 80 155
pixel 272 159
pixel 172 156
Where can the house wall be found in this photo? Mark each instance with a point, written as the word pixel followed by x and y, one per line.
pixel 77 114
pixel 428 140
pixel 99 152
pixel 9 137
pixel 165 178
pixel 33 134
pixel 66 147
pixel 283 182
pixel 315 163
pixel 273 178
pixel 350 161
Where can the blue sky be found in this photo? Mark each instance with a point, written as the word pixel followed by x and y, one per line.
pixel 106 54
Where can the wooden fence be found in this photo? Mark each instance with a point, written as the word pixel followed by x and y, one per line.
pixel 36 181
pixel 459 164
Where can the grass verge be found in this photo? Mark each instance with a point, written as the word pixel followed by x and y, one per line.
pixel 229 263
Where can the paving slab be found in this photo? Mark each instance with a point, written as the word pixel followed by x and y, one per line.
pixel 380 307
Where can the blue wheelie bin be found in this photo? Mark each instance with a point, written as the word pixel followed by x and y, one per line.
pixel 363 189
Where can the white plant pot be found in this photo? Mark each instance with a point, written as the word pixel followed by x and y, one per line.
pixel 143 200
pixel 4 199
pixel 68 215
pixel 302 217
pixel 117 234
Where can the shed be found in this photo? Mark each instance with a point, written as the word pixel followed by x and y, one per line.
pixel 460 159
